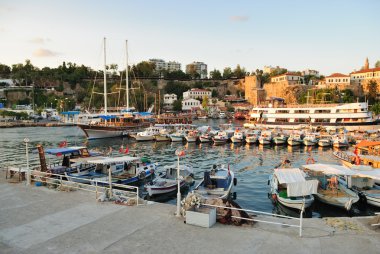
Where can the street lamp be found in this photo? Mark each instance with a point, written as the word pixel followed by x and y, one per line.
pixel 179 153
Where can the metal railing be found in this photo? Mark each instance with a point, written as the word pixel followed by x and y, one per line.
pixel 298 225
pixel 95 186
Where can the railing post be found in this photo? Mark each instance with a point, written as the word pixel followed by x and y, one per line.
pixel 137 196
pixel 28 176
pixel 96 190
pixel 301 218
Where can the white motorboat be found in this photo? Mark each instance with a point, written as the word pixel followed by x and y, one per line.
pixel 205 138
pixel 280 139
pixel 222 115
pixel 310 139
pixel 220 138
pixel 330 190
pixel 295 139
pixel 177 136
pixel 325 141
pixel 192 136
pixel 166 182
pixel 363 186
pixel 252 137
pixel 265 137
pixel 216 183
pixel 238 136
pixel 340 141
pixel 162 136
pixel 148 134
pixel 290 188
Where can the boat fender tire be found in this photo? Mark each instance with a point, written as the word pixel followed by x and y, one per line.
pixel 235 181
pixel 142 175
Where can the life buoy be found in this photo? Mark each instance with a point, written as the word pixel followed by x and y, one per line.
pixel 310 161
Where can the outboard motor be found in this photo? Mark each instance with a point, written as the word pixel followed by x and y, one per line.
pixel 362 203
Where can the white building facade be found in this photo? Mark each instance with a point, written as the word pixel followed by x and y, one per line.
pixel 190 104
pixel 169 99
pixel 290 77
pixel 200 68
pixel 163 65
pixel 197 94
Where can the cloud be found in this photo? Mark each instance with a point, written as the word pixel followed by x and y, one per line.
pixel 44 53
pixel 39 40
pixel 239 18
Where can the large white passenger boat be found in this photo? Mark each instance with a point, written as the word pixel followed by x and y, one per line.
pixel 352 116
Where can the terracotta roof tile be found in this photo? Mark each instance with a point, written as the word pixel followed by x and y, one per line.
pixel 365 71
pixel 338 75
pixel 365 143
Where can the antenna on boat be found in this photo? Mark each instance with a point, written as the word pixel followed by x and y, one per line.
pixel 126 74
pixel 105 79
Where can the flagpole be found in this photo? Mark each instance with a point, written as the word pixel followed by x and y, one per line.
pixel 178 192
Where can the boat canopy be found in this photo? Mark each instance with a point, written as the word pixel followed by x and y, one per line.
pixel 64 150
pixel 289 175
pixel 302 188
pixel 107 117
pixel 330 169
pixel 110 160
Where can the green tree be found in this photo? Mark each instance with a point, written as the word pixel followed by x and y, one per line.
pixel 377 64
pixel 177 105
pixel 205 102
pixel 239 72
pixel 214 93
pixel 227 73
pixel 348 96
pixel 376 108
pixel 215 74
pixel 177 88
pixel 5 71
pixel 192 71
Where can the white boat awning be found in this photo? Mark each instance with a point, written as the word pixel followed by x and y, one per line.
pixel 289 175
pixel 330 169
pixel 302 188
pixel 110 160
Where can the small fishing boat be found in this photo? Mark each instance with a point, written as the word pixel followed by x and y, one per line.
pixel 166 182
pixel 148 134
pixel 252 137
pixel 330 190
pixel 220 138
pixel 325 140
pixel 205 138
pixel 123 170
pixel 265 137
pixel 340 141
pixel 238 136
pixel 295 139
pixel 216 183
pixel 280 139
pixel 178 136
pixel 310 139
pixel 162 136
pixel 192 136
pixel 290 188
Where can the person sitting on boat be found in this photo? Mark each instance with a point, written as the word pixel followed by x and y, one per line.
pixel 213 170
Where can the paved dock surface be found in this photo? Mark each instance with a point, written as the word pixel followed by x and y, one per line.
pixel 41 220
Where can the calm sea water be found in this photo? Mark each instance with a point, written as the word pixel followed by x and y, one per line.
pixel 252 164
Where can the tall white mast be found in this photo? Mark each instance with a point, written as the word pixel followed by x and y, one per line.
pixel 126 74
pixel 105 78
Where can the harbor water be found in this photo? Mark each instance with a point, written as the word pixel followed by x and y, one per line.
pixel 252 164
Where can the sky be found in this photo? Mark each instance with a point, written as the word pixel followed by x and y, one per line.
pixel 327 35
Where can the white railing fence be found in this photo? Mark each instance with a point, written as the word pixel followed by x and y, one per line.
pixel 97 187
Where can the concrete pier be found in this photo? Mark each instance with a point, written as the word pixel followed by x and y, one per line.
pixel 41 220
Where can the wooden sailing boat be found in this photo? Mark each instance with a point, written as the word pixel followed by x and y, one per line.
pixel 114 125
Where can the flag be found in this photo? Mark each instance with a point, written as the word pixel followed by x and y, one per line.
pixel 63 144
pixel 356 151
pixel 180 153
pixel 121 149
pixel 58 154
pixel 126 150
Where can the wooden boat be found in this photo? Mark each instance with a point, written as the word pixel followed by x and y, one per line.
pixel 330 190
pixel 290 188
pixel 123 170
pixel 340 141
pixel 295 139
pixel 192 136
pixel 166 182
pixel 216 183
pixel 280 139
pixel 205 138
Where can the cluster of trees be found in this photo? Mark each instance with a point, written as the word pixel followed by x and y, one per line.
pixel 16 115
pixel 327 95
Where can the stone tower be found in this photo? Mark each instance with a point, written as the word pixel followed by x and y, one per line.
pixel 366 64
